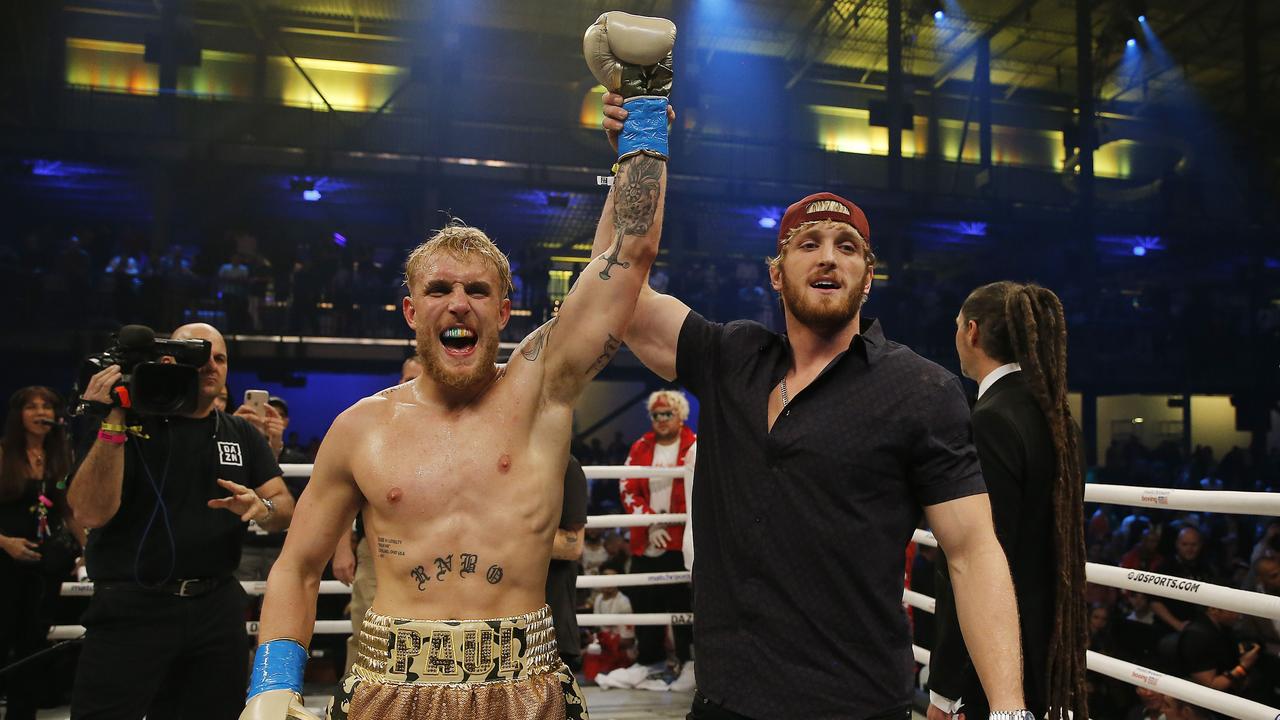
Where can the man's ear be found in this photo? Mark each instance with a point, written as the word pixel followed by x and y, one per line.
pixel 410 313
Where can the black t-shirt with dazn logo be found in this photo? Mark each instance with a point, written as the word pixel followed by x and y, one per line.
pixel 164 529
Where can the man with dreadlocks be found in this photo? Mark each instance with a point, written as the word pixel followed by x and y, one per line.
pixel 1012 340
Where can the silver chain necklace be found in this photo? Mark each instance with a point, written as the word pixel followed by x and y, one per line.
pixel 785 399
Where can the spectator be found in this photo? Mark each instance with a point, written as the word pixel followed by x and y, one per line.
pixel 261 548
pixel 1138 633
pixel 1145 555
pixel 1187 562
pixel 593 553
pixel 1209 655
pixel 659 548
pixel 617 642
pixel 36 536
pixel 289 453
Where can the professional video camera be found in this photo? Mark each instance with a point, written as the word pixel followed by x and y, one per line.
pixel 148 385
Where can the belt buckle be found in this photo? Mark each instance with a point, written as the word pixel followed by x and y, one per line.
pixel 183 585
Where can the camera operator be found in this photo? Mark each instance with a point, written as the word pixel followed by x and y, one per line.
pixel 168 497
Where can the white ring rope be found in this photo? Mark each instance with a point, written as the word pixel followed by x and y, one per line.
pixel 1206 594
pixel 1232 706
pixel 1149 583
pixel 1223 501
pixel 634 579
pixel 637 520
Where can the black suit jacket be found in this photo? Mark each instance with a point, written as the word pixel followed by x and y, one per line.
pixel 1015 448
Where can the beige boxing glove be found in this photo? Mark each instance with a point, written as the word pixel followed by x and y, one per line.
pixel 631 55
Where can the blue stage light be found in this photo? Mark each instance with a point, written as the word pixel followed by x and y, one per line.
pixel 768 223
pixel 1142 18
pixel 311 195
pixel 339 240
pixel 1131 42
pixel 1139 250
pixel 938 15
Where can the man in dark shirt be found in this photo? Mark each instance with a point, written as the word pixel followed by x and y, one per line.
pixel 168 506
pixel 1209 654
pixel 1187 562
pixel 562 575
pixel 826 438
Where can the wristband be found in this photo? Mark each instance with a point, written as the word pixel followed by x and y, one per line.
pixel 645 129
pixel 115 438
pixel 111 427
pixel 1238 672
pixel 278 665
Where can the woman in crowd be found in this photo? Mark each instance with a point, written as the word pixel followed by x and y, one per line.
pixel 36 537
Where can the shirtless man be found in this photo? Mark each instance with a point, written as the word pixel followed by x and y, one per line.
pixel 460 472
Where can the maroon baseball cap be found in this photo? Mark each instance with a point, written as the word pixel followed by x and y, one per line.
pixel 823 206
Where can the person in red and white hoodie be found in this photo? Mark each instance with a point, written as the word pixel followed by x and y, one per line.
pixel 659 548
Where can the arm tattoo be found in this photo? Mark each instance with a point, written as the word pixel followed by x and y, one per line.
pixel 634 204
pixel 610 347
pixel 533 345
pixel 570 536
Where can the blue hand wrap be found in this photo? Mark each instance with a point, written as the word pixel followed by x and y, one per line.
pixel 277 665
pixel 645 127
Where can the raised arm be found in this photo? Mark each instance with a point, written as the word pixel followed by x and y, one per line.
pixel 289 608
pixel 655 328
pixel 582 339
pixel 630 54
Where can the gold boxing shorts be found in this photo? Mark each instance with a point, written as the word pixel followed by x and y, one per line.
pixel 501 669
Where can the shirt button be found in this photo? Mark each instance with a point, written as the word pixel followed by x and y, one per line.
pixel 758 519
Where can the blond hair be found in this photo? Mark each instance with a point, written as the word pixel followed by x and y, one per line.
pixel 775 261
pixel 674 398
pixel 462 242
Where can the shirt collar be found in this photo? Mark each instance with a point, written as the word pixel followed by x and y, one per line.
pixel 995 375
pixel 869 342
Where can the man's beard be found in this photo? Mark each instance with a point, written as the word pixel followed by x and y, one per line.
pixel 823 317
pixel 666 437
pixel 433 362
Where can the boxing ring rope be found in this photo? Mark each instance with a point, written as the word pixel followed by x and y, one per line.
pixel 1168 586
pixel 1204 594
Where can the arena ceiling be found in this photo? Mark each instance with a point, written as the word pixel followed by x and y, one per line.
pixel 1032 41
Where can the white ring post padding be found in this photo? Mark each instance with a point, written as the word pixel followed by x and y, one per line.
pixel 1200 593
pixel 1208 698
pixel 922 656
pixel 296 469
pixel 924 537
pixel 1223 501
pixel 919 600
pixel 634 579
pixel 637 520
